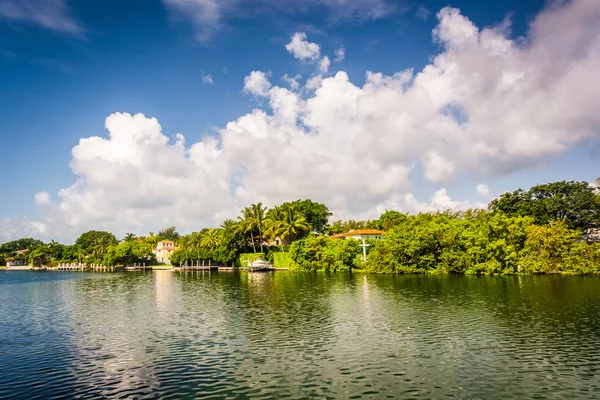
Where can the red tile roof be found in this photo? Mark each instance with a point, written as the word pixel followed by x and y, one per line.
pixel 358 232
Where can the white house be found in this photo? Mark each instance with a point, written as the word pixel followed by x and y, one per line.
pixel 164 250
pixel 360 234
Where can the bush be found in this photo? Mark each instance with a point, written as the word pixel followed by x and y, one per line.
pixel 318 253
pixel 283 260
pixel 245 258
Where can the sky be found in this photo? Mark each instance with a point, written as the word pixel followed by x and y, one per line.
pixel 135 115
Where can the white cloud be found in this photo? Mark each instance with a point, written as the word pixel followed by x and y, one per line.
pixel 292 81
pixel 49 14
pixel 207 79
pixel 324 65
pixel 314 82
pixel 301 48
pixel 485 106
pixel 11 229
pixel 483 190
pixel 340 54
pixel 205 15
pixel 422 13
pixel 437 168
pixel 42 198
pixel 209 17
pixel 257 83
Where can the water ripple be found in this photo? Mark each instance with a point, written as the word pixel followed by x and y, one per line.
pixel 299 336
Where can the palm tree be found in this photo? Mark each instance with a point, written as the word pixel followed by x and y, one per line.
pixel 274 223
pixel 129 237
pixel 212 238
pixel 293 225
pixel 228 226
pixel 195 243
pixel 246 223
pixel 79 254
pixel 101 246
pixel 258 213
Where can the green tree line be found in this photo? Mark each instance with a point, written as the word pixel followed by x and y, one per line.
pixel 541 230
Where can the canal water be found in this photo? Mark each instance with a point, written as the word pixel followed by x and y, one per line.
pixel 285 335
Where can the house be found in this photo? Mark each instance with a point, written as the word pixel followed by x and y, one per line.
pixel 18 261
pixel 592 235
pixel 164 250
pixel 360 234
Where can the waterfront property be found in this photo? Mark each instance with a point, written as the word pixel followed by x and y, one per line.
pixel 164 250
pixel 360 234
pixel 18 262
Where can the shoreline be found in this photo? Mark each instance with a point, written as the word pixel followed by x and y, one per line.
pixel 246 269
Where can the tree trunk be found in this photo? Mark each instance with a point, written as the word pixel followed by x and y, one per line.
pixel 261 241
pixel 253 244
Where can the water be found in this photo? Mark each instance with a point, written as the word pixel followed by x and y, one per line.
pixel 286 335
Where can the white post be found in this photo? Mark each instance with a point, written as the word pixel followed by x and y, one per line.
pixel 364 246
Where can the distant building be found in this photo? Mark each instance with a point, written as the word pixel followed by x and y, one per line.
pixel 164 250
pixel 592 235
pixel 360 234
pixel 18 261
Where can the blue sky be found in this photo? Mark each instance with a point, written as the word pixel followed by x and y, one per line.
pixel 70 64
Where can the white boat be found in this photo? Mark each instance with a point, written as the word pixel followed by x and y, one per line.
pixel 259 265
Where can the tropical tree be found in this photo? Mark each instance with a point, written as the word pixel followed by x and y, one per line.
pixel 391 219
pixel 129 237
pixel 86 243
pixel 258 214
pixel 293 225
pixel 316 214
pixel 246 224
pixel 169 233
pixel 228 226
pixel 195 243
pixel 274 222
pixel 211 239
pixel 101 247
pixel 573 202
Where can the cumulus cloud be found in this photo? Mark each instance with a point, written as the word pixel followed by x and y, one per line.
pixel 314 82
pixel 301 48
pixel 324 65
pixel 340 54
pixel 483 190
pixel 292 81
pixel 50 14
pixel 486 105
pixel 207 79
pixel 11 229
pixel 257 83
pixel 42 198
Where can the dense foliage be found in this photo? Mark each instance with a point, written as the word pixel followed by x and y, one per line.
pixel 535 231
pixel 577 203
pixel 482 243
pixel 319 253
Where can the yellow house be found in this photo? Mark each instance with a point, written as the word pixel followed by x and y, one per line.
pixel 163 251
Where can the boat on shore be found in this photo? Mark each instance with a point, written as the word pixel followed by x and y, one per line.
pixel 260 266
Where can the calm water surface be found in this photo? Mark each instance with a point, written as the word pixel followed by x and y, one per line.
pixel 285 335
